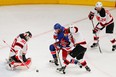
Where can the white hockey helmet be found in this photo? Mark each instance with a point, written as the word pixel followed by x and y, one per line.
pixel 73 29
pixel 98 5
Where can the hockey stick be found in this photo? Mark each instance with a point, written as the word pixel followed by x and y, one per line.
pixel 11 48
pixel 96 36
pixel 57 53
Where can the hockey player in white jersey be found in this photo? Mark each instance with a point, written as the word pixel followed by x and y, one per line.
pixel 17 57
pixel 74 53
pixel 105 20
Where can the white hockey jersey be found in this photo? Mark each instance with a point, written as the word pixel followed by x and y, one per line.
pixel 19 47
pixel 77 38
pixel 104 21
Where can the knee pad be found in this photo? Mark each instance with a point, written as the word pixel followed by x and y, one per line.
pixel 51 47
pixel 52 50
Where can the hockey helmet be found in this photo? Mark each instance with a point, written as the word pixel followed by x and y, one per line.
pixel 57 26
pixel 28 33
pixel 73 29
pixel 98 5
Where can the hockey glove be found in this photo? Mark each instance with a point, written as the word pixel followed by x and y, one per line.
pixel 91 15
pixel 64 43
pixel 55 36
pixel 96 29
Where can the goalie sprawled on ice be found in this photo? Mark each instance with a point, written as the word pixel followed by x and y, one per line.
pixel 17 58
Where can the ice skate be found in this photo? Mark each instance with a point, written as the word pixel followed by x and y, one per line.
pixel 55 61
pixel 62 69
pixel 79 64
pixel 11 66
pixel 87 68
pixel 113 47
pixel 94 45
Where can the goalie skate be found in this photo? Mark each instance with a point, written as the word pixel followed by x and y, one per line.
pixel 7 61
pixel 9 65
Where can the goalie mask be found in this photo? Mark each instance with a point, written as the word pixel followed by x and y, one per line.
pixel 28 35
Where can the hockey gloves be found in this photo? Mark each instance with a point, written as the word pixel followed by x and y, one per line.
pixel 91 15
pixel 95 30
pixel 55 36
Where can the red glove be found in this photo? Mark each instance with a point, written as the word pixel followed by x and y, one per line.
pixel 91 15
pixel 96 29
pixel 56 45
pixel 64 43
pixel 55 36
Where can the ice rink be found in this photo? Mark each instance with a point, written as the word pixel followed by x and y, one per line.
pixel 39 19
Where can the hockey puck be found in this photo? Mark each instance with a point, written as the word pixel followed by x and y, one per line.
pixel 37 70
pixel 64 72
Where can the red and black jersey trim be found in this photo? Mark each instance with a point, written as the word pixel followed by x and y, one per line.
pixel 111 21
pixel 82 43
pixel 18 44
pixel 12 50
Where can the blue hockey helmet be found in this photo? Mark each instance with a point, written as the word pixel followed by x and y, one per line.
pixel 57 26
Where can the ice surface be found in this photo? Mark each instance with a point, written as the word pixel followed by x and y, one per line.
pixel 39 19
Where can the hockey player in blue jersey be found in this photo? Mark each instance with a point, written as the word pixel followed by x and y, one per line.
pixel 55 47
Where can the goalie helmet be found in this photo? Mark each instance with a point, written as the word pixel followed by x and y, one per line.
pixel 98 5
pixel 28 35
pixel 73 29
